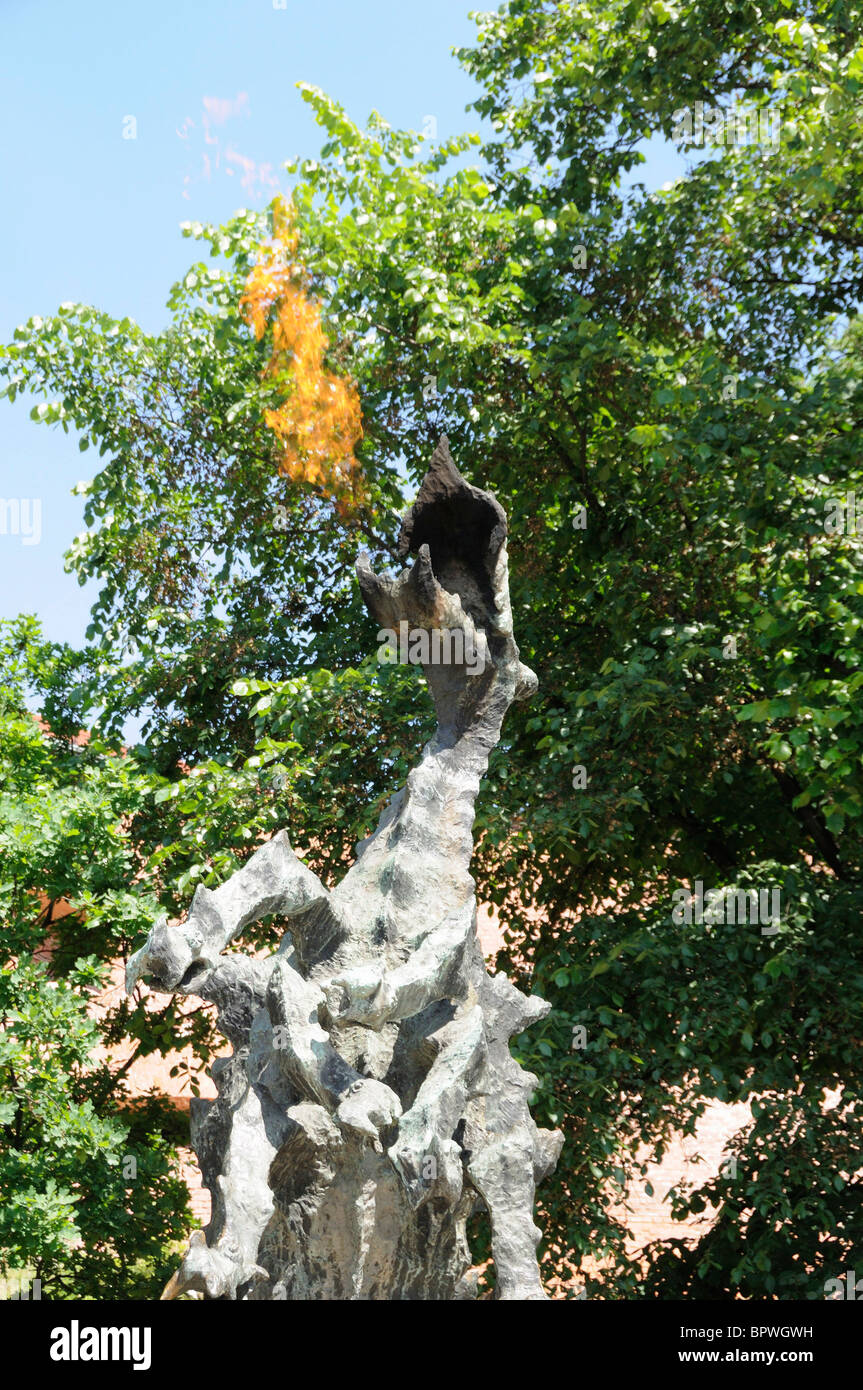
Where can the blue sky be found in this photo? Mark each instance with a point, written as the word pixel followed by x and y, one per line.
pixel 93 217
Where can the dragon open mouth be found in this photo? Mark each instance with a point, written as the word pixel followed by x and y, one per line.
pixel 464 529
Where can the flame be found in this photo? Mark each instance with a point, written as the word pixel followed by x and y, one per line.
pixel 319 423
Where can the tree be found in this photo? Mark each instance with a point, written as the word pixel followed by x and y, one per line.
pixel 92 1202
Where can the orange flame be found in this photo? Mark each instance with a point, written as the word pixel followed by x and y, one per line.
pixel 319 423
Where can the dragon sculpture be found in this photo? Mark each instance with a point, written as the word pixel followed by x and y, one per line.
pixel 371 1103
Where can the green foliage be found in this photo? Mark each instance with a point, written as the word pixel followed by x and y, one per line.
pixel 89 1206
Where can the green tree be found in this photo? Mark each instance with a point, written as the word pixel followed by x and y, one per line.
pixel 91 1197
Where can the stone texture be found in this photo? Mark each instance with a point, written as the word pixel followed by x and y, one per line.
pixel 371 1104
